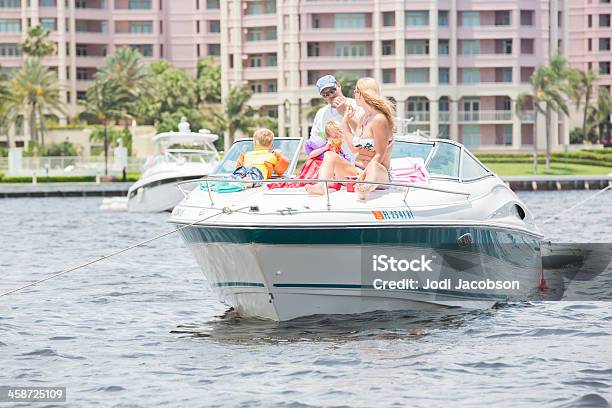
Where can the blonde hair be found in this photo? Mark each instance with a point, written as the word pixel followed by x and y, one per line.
pixel 331 126
pixel 263 137
pixel 370 92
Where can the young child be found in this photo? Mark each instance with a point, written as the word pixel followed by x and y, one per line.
pixel 262 162
pixel 315 148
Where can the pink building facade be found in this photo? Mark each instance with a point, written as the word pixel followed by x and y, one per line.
pixel 455 67
pixel 86 31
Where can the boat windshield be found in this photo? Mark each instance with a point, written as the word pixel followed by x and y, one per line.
pixel 411 149
pixel 289 147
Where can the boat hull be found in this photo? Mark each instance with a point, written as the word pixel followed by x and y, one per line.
pixel 285 273
pixel 158 196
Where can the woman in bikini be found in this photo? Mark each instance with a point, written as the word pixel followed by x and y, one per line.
pixel 371 141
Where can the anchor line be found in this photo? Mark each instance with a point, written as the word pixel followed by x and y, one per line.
pixel 577 205
pixel 225 210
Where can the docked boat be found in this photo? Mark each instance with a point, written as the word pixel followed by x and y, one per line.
pixel 279 253
pixel 184 155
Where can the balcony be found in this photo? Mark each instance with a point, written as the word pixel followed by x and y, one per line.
pixel 485 116
pixel 444 117
pixel 527 116
pixel 418 116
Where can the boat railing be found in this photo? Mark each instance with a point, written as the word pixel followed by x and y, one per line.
pixel 326 182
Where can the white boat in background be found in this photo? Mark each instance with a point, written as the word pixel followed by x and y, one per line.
pixel 185 155
pixel 280 253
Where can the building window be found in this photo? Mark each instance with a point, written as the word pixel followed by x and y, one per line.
pixel 271 34
pixel 417 47
pixel 443 18
pixel 10 3
pixel 214 49
pixel 504 46
pixel 417 75
pixel 470 75
pixel 49 23
pixel 10 25
pixel 470 47
pixel 254 34
pixel 388 47
pixel 604 44
pixel 141 27
pixel 590 44
pixel 604 68
pixel 527 17
pixel 443 75
pixel 388 76
pixel 350 20
pixel 47 3
pixel 503 74
pixel 470 18
pixel 417 18
pixel 214 26
pixel 272 86
pixel 604 20
pixel 82 74
pixel 443 47
pixel 256 87
pixel 507 103
pixel 312 49
pixel 139 5
pixel 255 61
pixel 213 4
pixel 145 49
pixel 348 49
pixel 9 50
pixel 526 73
pixel 590 21
pixel 502 18
pixel 271 60
pixel 81 50
pixel 527 46
pixel 388 19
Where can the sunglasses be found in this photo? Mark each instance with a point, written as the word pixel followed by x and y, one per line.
pixel 331 91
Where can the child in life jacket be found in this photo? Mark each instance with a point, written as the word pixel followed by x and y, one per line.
pixel 262 162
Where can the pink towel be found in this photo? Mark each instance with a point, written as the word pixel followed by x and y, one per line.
pixel 409 170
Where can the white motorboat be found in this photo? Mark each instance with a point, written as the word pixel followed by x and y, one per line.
pixel 280 253
pixel 184 155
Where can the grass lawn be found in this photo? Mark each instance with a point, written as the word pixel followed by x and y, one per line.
pixel 526 169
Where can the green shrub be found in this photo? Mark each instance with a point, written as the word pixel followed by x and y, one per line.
pixel 49 179
pixel 1 176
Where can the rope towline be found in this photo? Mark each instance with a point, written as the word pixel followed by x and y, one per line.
pixel 225 210
pixel 577 205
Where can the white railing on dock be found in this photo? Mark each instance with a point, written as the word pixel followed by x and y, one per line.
pixel 70 166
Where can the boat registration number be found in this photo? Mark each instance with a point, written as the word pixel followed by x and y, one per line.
pixel 393 215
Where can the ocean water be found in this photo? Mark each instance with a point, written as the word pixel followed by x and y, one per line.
pixel 143 330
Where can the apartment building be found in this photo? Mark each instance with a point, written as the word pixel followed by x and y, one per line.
pixel 455 66
pixel 590 34
pixel 87 30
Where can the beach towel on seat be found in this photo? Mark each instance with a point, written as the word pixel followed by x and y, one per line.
pixel 409 170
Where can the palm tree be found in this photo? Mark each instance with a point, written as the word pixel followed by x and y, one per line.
pixel 549 90
pixel 581 90
pixel 35 89
pixel 237 115
pixel 4 107
pixel 37 43
pixel 555 94
pixel 126 68
pixel 600 115
pixel 105 101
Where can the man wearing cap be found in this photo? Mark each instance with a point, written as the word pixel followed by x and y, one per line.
pixel 330 90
